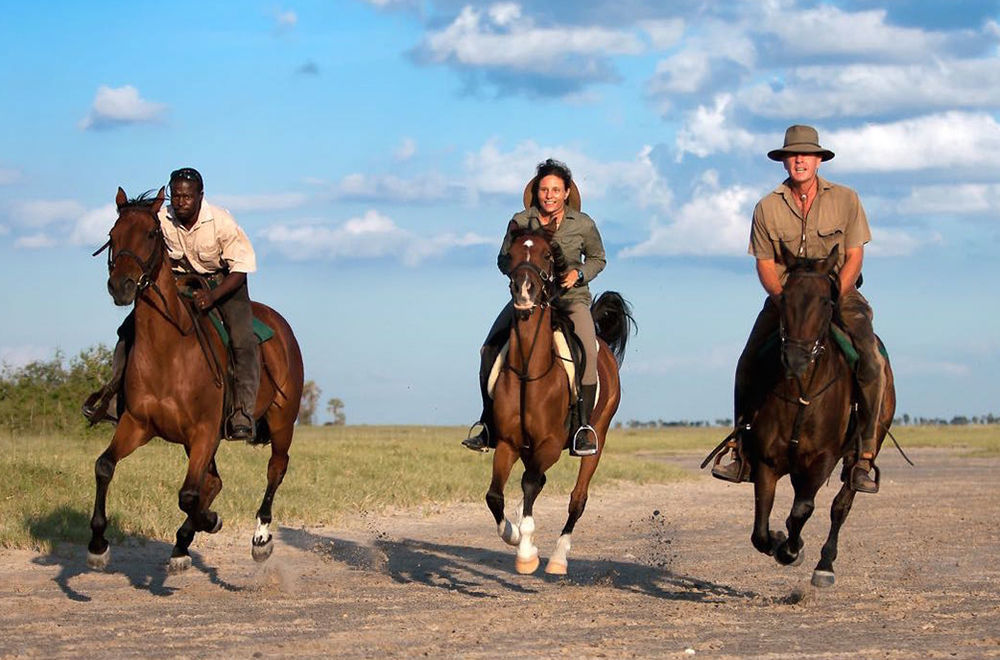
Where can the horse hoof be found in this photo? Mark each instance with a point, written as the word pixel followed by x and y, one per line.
pixel 555 568
pixel 822 579
pixel 99 562
pixel 528 565
pixel 218 525
pixel 261 551
pixel 179 564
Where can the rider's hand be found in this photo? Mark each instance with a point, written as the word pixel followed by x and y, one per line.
pixel 203 300
pixel 570 279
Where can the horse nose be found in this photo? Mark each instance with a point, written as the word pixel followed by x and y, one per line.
pixel 123 291
pixel 796 361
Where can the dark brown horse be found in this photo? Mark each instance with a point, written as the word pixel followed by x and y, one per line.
pixel 172 389
pixel 532 394
pixel 805 426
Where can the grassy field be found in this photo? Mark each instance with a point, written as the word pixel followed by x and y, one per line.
pixel 47 496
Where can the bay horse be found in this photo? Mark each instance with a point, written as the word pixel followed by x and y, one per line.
pixel 805 426
pixel 173 390
pixel 532 393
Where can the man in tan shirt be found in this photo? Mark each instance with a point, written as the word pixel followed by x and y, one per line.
pixel 204 239
pixel 810 216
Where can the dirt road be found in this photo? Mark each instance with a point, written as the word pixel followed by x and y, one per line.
pixel 664 571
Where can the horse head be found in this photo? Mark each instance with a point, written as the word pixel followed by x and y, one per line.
pixel 806 308
pixel 135 246
pixel 537 265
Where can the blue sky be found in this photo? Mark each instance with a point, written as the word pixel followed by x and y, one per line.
pixel 375 149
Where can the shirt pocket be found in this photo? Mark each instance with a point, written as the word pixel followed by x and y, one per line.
pixel 831 234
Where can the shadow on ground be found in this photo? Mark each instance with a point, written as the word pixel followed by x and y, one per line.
pixel 143 561
pixel 477 572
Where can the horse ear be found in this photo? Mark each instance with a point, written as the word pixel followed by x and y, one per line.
pixel 121 198
pixel 830 263
pixel 512 226
pixel 158 202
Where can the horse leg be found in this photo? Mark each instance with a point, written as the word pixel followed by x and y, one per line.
pixel 503 460
pixel 532 482
pixel 262 544
pixel 201 452
pixel 789 552
pixel 559 562
pixel 129 436
pixel 763 492
pixel 823 574
pixel 210 488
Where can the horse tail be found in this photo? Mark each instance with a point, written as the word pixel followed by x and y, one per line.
pixel 613 318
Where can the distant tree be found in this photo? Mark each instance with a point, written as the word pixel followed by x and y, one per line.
pixel 310 399
pixel 336 409
pixel 906 419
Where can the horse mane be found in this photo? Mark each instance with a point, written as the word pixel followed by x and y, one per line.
pixel 143 201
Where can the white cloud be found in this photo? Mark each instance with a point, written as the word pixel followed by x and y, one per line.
pixel 504 38
pixel 43 212
pixel 899 242
pixel 9 176
pixel 663 33
pixel 260 203
pixel 951 199
pixel 707 131
pixel 371 236
pixel 430 187
pixel 716 221
pixel 406 150
pixel 93 226
pixel 15 357
pixel 286 20
pixel 953 140
pixel 921 366
pixel 119 106
pixel 35 241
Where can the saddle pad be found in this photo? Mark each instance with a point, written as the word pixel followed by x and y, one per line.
pixel 562 352
pixel 262 330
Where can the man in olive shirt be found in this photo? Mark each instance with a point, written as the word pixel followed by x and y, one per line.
pixel 810 216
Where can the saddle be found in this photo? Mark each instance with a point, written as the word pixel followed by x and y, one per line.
pixel 187 284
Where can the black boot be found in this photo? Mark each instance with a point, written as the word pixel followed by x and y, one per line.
pixel 739 469
pixel 95 407
pixel 486 439
pixel 585 439
pixel 246 365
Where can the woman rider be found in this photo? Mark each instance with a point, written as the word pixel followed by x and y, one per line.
pixel 552 200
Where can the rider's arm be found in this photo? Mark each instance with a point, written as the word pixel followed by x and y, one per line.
pixel 768 275
pixel 852 268
pixel 594 258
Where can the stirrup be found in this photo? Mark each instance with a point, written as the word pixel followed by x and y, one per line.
pixel 478 442
pixel 96 408
pixel 585 451
pixel 736 471
pixel 240 431
pixel 864 486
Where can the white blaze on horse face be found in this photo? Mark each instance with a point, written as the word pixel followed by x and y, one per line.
pixel 529 244
pixel 523 298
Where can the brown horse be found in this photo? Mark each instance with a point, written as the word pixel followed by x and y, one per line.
pixel 532 394
pixel 173 390
pixel 805 425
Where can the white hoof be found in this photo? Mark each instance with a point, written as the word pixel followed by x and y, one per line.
pixel 218 525
pixel 555 567
pixel 99 562
pixel 261 551
pixel 178 564
pixel 822 578
pixel 527 565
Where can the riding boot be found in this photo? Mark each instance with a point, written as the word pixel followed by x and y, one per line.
pixel 486 438
pixel 861 479
pixel 585 439
pixel 246 365
pixel 95 407
pixel 739 468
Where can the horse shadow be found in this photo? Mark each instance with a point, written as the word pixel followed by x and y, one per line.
pixel 477 572
pixel 139 558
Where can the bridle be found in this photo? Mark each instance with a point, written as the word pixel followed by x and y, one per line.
pixel 146 266
pixel 547 278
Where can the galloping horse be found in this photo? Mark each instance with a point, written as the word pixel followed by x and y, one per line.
pixel 805 424
pixel 532 393
pixel 173 390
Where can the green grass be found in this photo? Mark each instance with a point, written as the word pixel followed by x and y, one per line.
pixel 47 495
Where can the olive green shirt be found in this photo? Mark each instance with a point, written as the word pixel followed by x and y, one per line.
pixel 580 242
pixel 835 218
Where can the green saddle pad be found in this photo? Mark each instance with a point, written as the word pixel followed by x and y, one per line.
pixel 262 330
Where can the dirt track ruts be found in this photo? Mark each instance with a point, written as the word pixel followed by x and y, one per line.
pixel 661 570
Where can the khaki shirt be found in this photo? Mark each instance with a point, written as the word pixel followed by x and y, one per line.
pixel 580 242
pixel 835 218
pixel 214 243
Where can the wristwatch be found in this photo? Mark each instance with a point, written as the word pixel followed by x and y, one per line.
pixel 579 277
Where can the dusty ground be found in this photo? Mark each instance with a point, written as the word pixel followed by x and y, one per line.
pixel 665 571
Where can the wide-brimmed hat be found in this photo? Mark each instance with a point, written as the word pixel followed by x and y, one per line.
pixel 800 140
pixel 573 201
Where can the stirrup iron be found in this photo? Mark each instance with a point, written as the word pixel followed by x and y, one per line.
pixel 586 428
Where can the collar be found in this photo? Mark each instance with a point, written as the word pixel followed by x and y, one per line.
pixel 784 188
pixel 204 216
pixel 570 212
